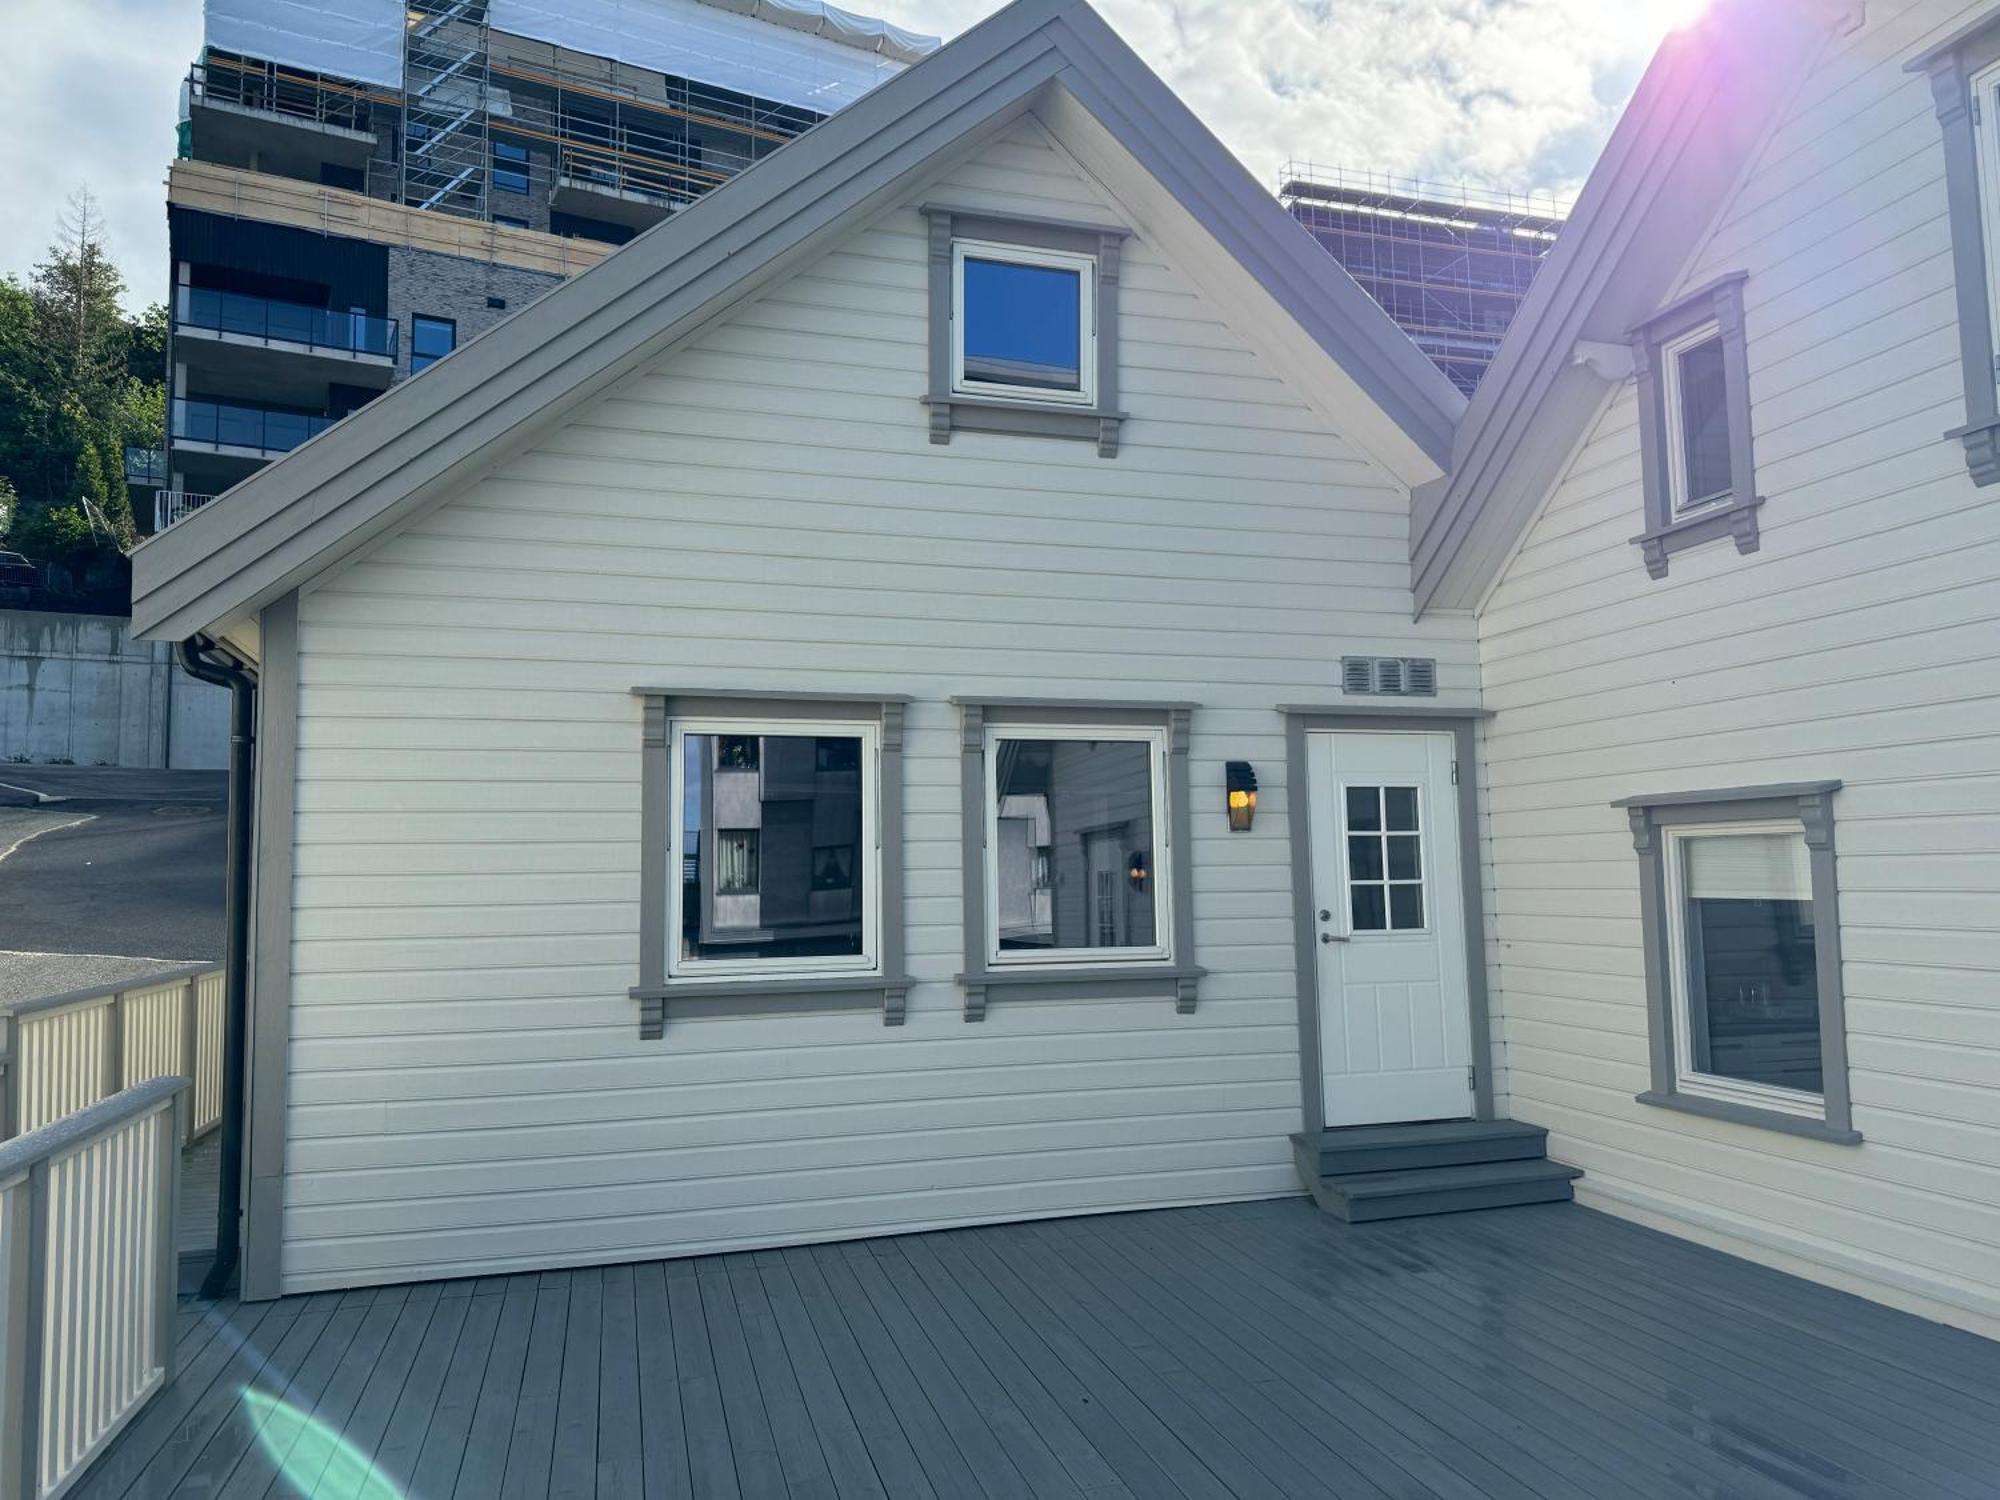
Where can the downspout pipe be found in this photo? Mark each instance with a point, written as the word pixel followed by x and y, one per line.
pixel 242 685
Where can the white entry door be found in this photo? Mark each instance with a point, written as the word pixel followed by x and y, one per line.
pixel 1389 928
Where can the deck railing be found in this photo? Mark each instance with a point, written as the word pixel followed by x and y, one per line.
pixel 87 1277
pixel 65 1052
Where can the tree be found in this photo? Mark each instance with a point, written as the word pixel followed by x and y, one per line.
pixel 79 383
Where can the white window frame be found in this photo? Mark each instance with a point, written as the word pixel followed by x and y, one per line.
pixel 1422 882
pixel 1689 1080
pixel 1984 87
pixel 1670 390
pixel 1160 872
pixel 868 876
pixel 1023 255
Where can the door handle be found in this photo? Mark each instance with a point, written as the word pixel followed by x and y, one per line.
pixel 1333 937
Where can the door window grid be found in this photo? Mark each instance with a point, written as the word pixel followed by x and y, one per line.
pixel 1384 849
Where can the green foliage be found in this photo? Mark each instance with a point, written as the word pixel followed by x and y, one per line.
pixel 79 382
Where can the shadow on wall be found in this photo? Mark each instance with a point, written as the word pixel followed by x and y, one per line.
pixel 78 690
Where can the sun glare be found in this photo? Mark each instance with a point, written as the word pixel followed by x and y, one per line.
pixel 1650 20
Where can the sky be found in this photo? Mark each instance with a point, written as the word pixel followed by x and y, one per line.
pixel 1498 94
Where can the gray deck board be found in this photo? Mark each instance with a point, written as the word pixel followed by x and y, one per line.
pixel 1257 1349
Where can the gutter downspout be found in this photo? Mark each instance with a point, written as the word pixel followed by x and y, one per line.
pixel 242 687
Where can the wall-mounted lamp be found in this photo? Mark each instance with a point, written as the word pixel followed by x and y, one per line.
pixel 1136 871
pixel 1242 796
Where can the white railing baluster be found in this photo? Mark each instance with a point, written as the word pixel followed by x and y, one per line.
pixel 87 1281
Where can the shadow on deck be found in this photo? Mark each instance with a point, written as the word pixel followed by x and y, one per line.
pixel 1254 1349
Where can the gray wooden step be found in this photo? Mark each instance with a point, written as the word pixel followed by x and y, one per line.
pixel 1361 1197
pixel 1438 1143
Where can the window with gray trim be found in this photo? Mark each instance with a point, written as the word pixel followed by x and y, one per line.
pixel 1964 73
pixel 1742 943
pixel 1693 373
pixel 771 863
pixel 1023 326
pixel 1075 819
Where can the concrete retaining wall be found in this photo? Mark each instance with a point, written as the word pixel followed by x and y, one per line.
pixel 79 689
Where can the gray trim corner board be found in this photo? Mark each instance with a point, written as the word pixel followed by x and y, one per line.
pixel 1950 66
pixel 954 411
pixel 1302 719
pixel 271 971
pixel 1178 976
pixel 887 987
pixel 1671 528
pixel 1810 804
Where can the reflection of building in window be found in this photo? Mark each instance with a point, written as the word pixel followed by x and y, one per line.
pixel 777 820
pixel 736 861
pixel 1072 818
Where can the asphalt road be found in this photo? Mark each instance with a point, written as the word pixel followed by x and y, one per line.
pixel 109 863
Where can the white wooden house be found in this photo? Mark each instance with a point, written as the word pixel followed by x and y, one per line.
pixel 973 675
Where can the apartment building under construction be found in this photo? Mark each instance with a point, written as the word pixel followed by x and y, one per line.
pixel 1450 265
pixel 363 185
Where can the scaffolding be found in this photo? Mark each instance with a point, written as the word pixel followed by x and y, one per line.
pixel 1449 264
pixel 445 77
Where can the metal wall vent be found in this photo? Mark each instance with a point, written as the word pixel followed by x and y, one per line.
pixel 1390 676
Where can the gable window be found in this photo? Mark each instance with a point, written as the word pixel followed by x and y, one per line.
pixel 1964 74
pixel 770 873
pixel 1694 425
pixel 1743 956
pixel 1024 327
pixel 1698 419
pixel 431 339
pixel 1077 815
pixel 1022 323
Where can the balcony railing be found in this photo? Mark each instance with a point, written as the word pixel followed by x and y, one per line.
pixel 229 425
pixel 66 1052
pixel 285 322
pixel 314 98
pixel 170 506
pixel 145 465
pixel 88 1269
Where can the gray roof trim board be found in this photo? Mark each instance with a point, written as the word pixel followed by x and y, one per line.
pixel 1707 99
pixel 372 472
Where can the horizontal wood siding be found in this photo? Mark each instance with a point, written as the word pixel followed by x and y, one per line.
pixel 1859 643
pixel 764 509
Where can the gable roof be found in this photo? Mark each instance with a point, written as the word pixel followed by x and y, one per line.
pixel 1704 104
pixel 327 499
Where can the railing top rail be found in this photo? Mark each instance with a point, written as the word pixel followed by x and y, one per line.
pixel 106 991
pixel 59 1137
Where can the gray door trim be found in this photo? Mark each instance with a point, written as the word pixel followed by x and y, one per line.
pixel 271 950
pixel 1301 721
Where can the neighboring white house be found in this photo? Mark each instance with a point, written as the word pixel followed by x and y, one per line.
pixel 747 746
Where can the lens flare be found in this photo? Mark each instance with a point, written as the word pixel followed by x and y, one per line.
pixel 313 1458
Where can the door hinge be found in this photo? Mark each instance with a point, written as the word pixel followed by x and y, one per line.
pixel 1472 1077
pixel 1454 773
pixel 1975 109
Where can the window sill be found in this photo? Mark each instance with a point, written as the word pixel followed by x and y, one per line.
pixel 1737 519
pixel 951 414
pixel 1082 982
pixel 776 994
pixel 1749 1114
pixel 1981 441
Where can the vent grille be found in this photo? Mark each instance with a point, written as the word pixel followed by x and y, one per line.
pixel 1390 676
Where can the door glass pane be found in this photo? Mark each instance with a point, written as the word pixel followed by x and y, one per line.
pixel 771 825
pixel 1364 808
pixel 1023 325
pixel 1406 907
pixel 1369 913
pixel 1073 844
pixel 1704 422
pixel 1384 858
pixel 1753 976
pixel 1405 863
pixel 1401 805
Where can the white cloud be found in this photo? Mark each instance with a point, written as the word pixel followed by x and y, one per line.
pixel 1509 94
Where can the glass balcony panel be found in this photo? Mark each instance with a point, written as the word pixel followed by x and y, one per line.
pixel 234 426
pixel 286 322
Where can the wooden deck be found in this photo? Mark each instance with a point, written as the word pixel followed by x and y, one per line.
pixel 1259 1349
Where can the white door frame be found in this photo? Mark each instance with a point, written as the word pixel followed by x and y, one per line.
pixel 1299 722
